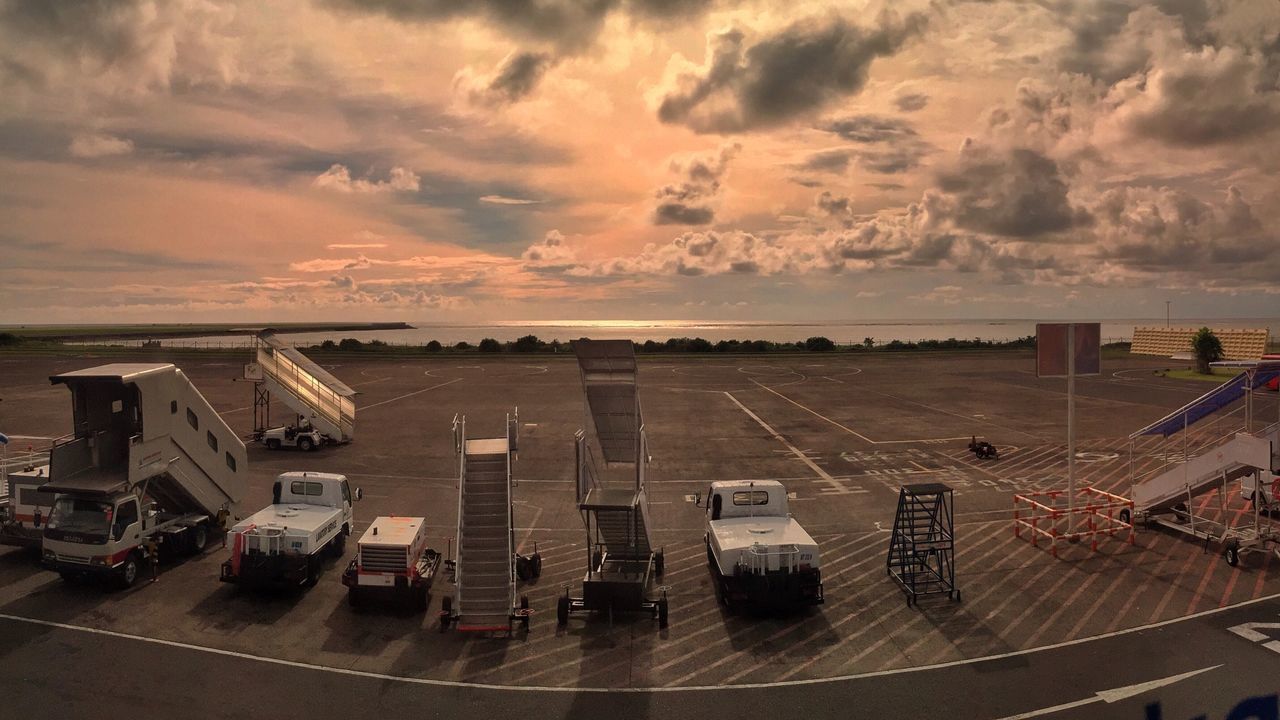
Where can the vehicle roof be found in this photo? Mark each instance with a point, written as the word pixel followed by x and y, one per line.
pixel 310 475
pixel 393 530
pixel 747 484
pixel 120 372
pixel 307 518
pixel 744 532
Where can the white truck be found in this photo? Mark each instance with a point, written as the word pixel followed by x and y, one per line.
pixel 392 561
pixel 149 460
pixel 760 556
pixel 283 544
pixel 24 507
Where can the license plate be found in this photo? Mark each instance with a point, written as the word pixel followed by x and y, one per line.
pixel 377 580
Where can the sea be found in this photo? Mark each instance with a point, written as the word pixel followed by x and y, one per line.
pixel 843 333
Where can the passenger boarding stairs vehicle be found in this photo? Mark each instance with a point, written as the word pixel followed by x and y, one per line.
pixel 24 507
pixel 325 406
pixel 759 554
pixel 284 544
pixel 484 598
pixel 623 566
pixel 149 459
pixel 1166 496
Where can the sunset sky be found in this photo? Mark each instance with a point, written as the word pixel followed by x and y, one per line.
pixel 439 160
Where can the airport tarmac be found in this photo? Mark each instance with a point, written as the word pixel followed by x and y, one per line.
pixel 842 431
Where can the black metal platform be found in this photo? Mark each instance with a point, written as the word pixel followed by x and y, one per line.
pixel 922 549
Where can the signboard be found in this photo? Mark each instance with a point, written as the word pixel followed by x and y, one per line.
pixel 1051 349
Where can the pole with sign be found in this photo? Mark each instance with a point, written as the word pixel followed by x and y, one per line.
pixel 1068 350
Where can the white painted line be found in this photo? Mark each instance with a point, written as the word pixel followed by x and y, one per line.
pixel 1110 696
pixel 835 485
pixel 366 408
pixel 846 428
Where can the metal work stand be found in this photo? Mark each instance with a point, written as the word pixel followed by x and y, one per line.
pixel 922 549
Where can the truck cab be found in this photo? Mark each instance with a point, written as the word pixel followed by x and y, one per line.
pixel 759 554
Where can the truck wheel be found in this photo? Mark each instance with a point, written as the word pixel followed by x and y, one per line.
pixel 273 444
pixel 562 611
pixel 312 574
pixel 522 568
pixel 537 565
pixel 1232 552
pixel 199 538
pixel 1125 516
pixel 662 614
pixel 305 444
pixel 338 545
pixel 128 573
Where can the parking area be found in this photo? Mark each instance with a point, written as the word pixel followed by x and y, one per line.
pixel 842 431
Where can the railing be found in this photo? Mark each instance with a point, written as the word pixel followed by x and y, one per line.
pixel 511 517
pixel 760 555
pixel 459 446
pixel 586 463
pixel 308 388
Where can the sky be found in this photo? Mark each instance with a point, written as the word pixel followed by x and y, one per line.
pixel 765 160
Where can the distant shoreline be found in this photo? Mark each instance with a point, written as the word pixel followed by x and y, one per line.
pixel 62 333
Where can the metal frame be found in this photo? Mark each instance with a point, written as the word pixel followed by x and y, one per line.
pixel 1104 514
pixel 923 563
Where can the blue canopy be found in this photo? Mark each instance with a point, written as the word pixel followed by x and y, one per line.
pixel 1212 401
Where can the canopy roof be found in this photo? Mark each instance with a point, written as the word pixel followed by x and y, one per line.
pixel 1259 374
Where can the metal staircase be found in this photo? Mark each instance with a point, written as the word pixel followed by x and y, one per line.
pixel 484 574
pixel 922 548
pixel 310 390
pixel 621 560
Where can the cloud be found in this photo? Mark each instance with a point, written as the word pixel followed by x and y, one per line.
pixel 796 71
pixel 911 101
pixel 1016 192
pixel 504 200
pixel 689 201
pixel 889 145
pixel 550 252
pixel 99 145
pixel 354 246
pixel 338 177
pixel 514 79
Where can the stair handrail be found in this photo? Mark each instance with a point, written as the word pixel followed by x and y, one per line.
pixel 459 445
pixel 586 469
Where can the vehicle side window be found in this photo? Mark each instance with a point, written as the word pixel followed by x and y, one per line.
pixel 192 420
pixel 297 487
pixel 127 514
pixel 301 487
pixel 346 492
pixel 212 439
pixel 231 462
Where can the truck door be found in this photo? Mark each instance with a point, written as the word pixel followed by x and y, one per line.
pixel 348 512
pixel 125 525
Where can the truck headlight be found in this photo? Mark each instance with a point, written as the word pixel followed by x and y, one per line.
pixel 98 560
pixel 50 555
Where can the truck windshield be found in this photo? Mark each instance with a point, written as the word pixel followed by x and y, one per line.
pixel 80 516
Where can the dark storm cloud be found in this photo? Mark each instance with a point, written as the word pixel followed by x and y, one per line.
pixel 798 70
pixel 688 202
pixel 911 102
pixel 514 79
pixel 1018 193
pixel 894 145
pixel 570 24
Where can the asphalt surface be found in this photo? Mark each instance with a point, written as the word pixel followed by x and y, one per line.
pixel 843 432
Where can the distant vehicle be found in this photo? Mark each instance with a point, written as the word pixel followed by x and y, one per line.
pixel 283 545
pixel 392 561
pixel 983 450
pixel 302 436
pixel 24 507
pixel 1266 494
pixel 150 459
pixel 759 554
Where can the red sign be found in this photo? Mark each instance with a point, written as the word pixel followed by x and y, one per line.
pixel 1051 349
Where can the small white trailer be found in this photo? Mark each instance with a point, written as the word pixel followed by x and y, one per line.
pixel 149 460
pixel 392 561
pixel 283 544
pixel 759 554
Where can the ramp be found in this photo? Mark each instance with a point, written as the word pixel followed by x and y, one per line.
pixel 310 390
pixel 1237 457
pixel 608 370
pixel 484 576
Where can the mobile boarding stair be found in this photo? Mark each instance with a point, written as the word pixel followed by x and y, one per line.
pixel 282 372
pixel 623 566
pixel 1166 496
pixel 484 598
pixel 922 548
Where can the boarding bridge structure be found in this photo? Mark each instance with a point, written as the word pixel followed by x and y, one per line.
pixel 1206 444
pixel 145 428
pixel 484 598
pixel 282 372
pixel 623 564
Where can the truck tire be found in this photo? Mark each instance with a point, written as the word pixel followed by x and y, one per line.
pixel 127 576
pixel 562 611
pixel 662 614
pixel 305 444
pixel 338 545
pixel 199 538
pixel 313 572
pixel 537 565
pixel 273 444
